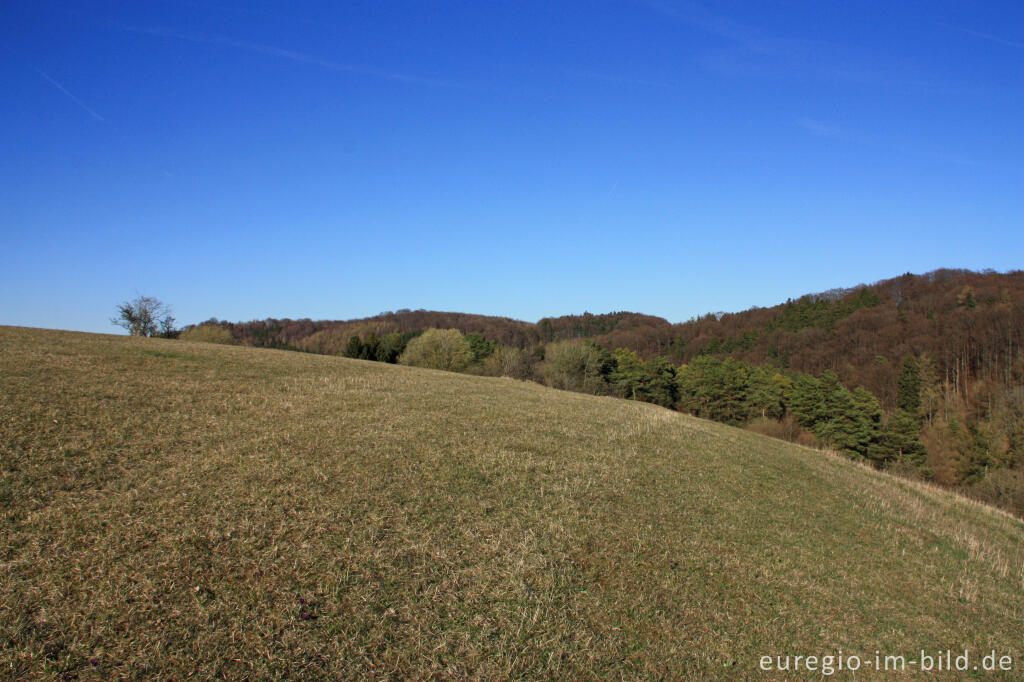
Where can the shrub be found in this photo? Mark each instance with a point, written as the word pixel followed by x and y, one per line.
pixel 573 366
pixel 784 429
pixel 1003 488
pixel 445 349
pixel 146 316
pixel 208 333
pixel 515 362
pixel 488 367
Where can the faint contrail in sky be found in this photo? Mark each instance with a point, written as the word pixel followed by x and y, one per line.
pixel 818 128
pixel 69 94
pixel 284 54
pixel 986 36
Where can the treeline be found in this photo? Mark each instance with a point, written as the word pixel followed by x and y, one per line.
pixel 971 326
pixel 331 337
pixel 960 333
pixel 793 405
pixel 808 409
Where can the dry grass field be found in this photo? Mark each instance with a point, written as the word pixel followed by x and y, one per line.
pixel 172 510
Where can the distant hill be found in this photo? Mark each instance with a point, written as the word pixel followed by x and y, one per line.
pixel 970 323
pixel 331 336
pixel 173 509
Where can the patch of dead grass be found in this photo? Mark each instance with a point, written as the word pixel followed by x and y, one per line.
pixel 172 509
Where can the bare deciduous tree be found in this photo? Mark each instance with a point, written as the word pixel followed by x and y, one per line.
pixel 145 316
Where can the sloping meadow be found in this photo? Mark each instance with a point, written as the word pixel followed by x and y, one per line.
pixel 172 509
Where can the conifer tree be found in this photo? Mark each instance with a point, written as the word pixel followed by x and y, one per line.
pixel 354 348
pixel 909 398
pixel 900 439
pixel 870 411
pixel 844 426
pixel 661 386
pixel 805 402
pixel 371 348
pixel 765 396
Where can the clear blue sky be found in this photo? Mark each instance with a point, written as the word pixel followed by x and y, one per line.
pixel 337 159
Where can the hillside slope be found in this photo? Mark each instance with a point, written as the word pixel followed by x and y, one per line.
pixel 168 507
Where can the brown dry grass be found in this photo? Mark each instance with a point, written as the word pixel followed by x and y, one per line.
pixel 165 506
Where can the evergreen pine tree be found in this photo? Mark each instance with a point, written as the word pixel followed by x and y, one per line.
pixel 870 425
pixel 354 349
pixel 765 394
pixel 661 382
pixel 805 401
pixel 909 398
pixel 900 439
pixel 371 348
pixel 843 426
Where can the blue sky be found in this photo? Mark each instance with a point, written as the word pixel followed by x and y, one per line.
pixel 337 159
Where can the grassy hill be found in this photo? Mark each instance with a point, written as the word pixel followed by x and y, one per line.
pixel 168 508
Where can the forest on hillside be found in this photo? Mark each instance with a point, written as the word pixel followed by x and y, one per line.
pixel 921 373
